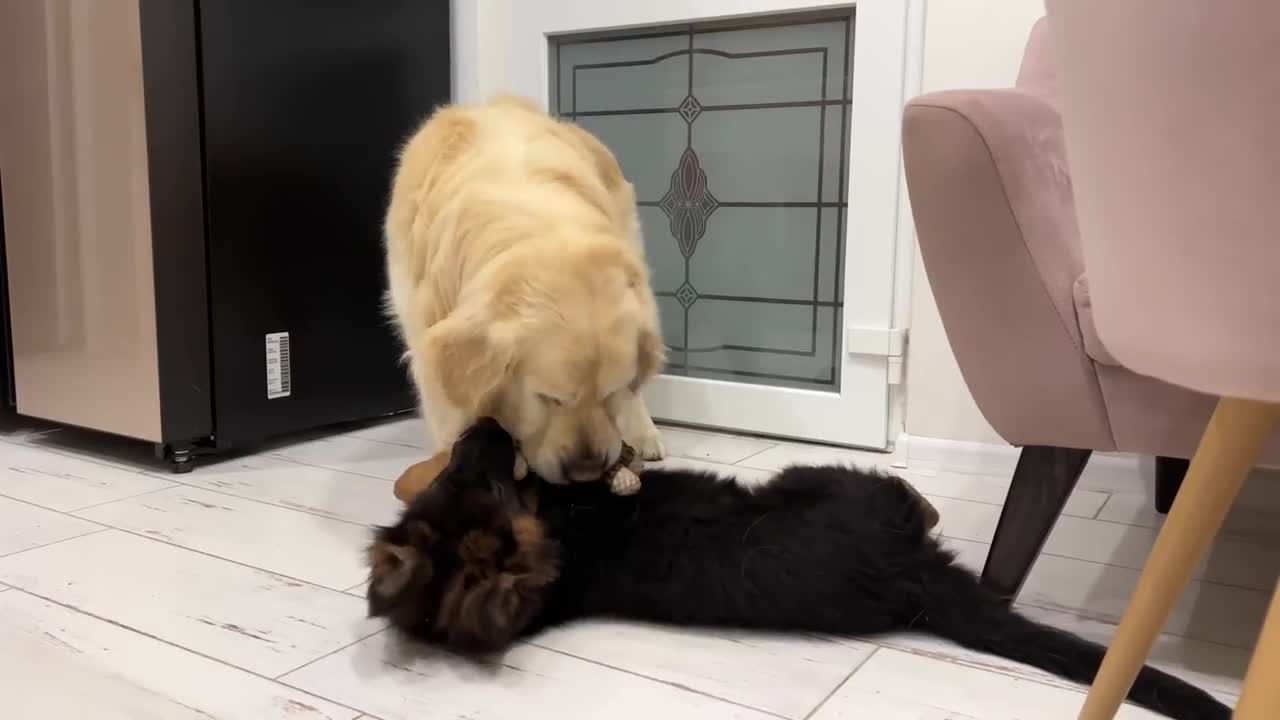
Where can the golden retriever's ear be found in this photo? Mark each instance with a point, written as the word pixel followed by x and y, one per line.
pixel 391 566
pixel 470 358
pixel 651 357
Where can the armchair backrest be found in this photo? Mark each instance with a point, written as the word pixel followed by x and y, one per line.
pixel 1172 118
pixel 1039 70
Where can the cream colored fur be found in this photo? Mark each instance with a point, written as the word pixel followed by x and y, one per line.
pixel 517 277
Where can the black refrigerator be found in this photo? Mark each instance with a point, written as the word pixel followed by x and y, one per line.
pixel 193 251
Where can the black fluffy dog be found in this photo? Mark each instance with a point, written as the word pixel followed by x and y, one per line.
pixel 477 562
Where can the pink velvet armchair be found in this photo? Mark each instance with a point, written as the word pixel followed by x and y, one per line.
pixel 996 222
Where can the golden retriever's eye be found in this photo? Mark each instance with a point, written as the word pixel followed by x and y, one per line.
pixel 551 401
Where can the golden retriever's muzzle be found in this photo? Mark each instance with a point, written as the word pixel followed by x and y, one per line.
pixel 584 468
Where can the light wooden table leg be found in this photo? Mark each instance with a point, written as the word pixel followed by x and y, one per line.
pixel 1228 450
pixel 1260 697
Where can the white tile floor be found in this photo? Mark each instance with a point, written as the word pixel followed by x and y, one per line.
pixel 234 592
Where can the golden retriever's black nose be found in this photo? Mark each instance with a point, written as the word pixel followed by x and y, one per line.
pixel 583 469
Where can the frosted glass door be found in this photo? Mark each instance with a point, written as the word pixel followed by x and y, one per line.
pixel 736 139
pixel 767 196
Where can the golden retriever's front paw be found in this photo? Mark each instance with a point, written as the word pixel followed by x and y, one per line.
pixel 650 446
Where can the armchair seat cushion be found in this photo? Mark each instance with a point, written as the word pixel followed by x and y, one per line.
pixel 1093 346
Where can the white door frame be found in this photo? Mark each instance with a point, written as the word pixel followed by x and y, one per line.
pixel 483 48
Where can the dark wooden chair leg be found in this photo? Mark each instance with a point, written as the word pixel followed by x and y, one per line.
pixel 1041 484
pixel 1169 474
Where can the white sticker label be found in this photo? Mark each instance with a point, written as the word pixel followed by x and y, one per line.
pixel 279 377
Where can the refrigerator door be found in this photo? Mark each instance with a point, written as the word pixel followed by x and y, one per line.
pixel 77 228
pixel 305 103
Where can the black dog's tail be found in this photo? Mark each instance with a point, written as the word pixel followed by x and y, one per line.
pixel 957 608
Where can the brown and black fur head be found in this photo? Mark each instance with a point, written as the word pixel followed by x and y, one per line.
pixel 467 565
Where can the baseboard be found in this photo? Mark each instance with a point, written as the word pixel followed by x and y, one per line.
pixel 1109 472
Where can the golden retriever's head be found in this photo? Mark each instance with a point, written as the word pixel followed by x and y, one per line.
pixel 552 346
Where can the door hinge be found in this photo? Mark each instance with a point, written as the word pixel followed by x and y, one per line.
pixel 882 342
pixel 888 343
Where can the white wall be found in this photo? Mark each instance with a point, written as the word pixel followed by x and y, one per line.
pixel 967 44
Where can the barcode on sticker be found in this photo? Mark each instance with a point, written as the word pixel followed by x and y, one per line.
pixel 279 376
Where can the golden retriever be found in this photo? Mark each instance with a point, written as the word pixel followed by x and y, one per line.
pixel 517 277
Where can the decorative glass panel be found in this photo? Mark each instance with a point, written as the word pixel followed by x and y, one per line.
pixel 736 138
